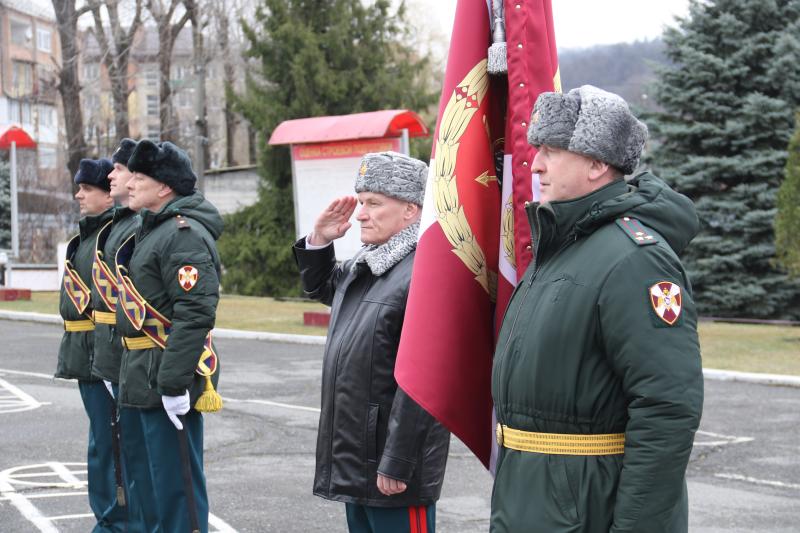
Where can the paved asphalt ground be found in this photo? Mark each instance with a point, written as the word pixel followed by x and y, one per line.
pixel 744 475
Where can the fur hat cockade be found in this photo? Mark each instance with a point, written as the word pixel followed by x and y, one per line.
pixel 123 151
pixel 589 121
pixel 166 163
pixel 393 174
pixel 94 172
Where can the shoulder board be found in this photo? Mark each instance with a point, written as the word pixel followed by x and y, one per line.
pixel 636 231
pixel 182 222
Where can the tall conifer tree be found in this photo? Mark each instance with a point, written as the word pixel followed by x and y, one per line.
pixel 315 58
pixel 728 101
pixel 787 223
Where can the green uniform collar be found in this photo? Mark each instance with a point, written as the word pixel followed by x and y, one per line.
pixel 90 223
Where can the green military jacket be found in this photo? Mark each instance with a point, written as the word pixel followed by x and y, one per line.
pixel 107 343
pixel 590 344
pixel 77 347
pixel 180 236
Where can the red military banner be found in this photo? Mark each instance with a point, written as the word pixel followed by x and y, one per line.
pixel 471 230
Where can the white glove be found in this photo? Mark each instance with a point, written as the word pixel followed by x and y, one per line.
pixel 108 386
pixel 176 405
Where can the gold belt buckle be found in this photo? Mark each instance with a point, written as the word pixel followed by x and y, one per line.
pixel 499 434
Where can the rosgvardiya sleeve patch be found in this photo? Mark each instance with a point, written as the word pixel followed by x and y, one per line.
pixel 188 277
pixel 666 300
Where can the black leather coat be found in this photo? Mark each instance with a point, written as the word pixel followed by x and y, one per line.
pixel 368 425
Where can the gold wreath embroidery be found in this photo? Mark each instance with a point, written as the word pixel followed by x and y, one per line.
pixel 507 232
pixel 458 113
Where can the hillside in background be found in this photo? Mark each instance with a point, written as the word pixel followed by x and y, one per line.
pixel 625 68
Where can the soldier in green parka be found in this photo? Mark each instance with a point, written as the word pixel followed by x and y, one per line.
pixel 168 275
pixel 597 379
pixel 76 353
pixel 132 471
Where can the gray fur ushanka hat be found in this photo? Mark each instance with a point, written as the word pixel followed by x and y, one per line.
pixel 589 121
pixel 393 174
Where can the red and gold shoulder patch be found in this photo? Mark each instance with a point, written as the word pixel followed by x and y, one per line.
pixel 667 300
pixel 187 277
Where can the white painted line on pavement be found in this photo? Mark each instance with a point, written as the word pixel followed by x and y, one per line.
pixel 766 482
pixel 273 404
pixel 45 474
pixel 220 524
pixel 71 516
pixel 25 402
pixel 30 374
pixel 721 439
pixel 25 508
pixel 54 495
pixel 66 474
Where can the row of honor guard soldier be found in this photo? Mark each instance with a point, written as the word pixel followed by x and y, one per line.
pixel 139 340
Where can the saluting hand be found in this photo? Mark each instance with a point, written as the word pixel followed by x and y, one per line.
pixel 389 486
pixel 333 222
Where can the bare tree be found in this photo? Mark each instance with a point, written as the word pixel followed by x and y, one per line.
pixel 115 52
pixel 200 60
pixel 69 86
pixel 167 33
pixel 229 68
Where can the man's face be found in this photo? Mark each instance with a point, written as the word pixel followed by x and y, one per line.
pixel 563 175
pixel 382 216
pixel 92 200
pixel 119 178
pixel 145 193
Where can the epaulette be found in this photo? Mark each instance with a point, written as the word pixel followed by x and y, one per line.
pixel 182 222
pixel 636 231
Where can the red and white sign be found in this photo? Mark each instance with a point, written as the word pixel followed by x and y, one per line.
pixel 187 277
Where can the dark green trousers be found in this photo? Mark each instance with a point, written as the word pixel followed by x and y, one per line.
pixel 369 519
pixel 165 460
pixel 98 403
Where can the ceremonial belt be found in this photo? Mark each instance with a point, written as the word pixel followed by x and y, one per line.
pixel 76 290
pixel 102 317
pixel 104 279
pixel 78 325
pixel 560 443
pixel 146 318
pixel 138 343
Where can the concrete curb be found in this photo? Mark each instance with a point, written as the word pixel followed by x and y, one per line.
pixel 318 340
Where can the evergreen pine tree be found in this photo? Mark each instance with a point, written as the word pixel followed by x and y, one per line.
pixel 316 58
pixel 5 206
pixel 787 223
pixel 728 101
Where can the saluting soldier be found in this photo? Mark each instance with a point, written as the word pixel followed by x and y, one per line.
pixel 77 345
pixel 131 469
pixel 597 380
pixel 168 276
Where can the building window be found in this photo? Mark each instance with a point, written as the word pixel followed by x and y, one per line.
pixel 47 115
pixel 153 132
pixel 21 32
pixel 151 76
pixel 91 103
pixel 47 157
pixel 152 105
pixel 44 40
pixel 91 71
pixel 21 78
pixel 185 98
pixel 179 72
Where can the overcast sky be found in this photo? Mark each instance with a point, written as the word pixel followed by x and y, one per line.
pixel 583 23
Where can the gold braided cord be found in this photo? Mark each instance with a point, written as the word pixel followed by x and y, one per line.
pixel 459 111
pixel 507 233
pixel 561 443
pixel 103 317
pixel 138 343
pixel 78 325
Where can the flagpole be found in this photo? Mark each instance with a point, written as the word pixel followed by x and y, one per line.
pixel 14 210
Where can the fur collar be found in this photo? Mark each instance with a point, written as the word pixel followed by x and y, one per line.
pixel 383 257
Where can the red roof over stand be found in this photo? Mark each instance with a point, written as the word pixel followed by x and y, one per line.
pixel 373 125
pixel 18 135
